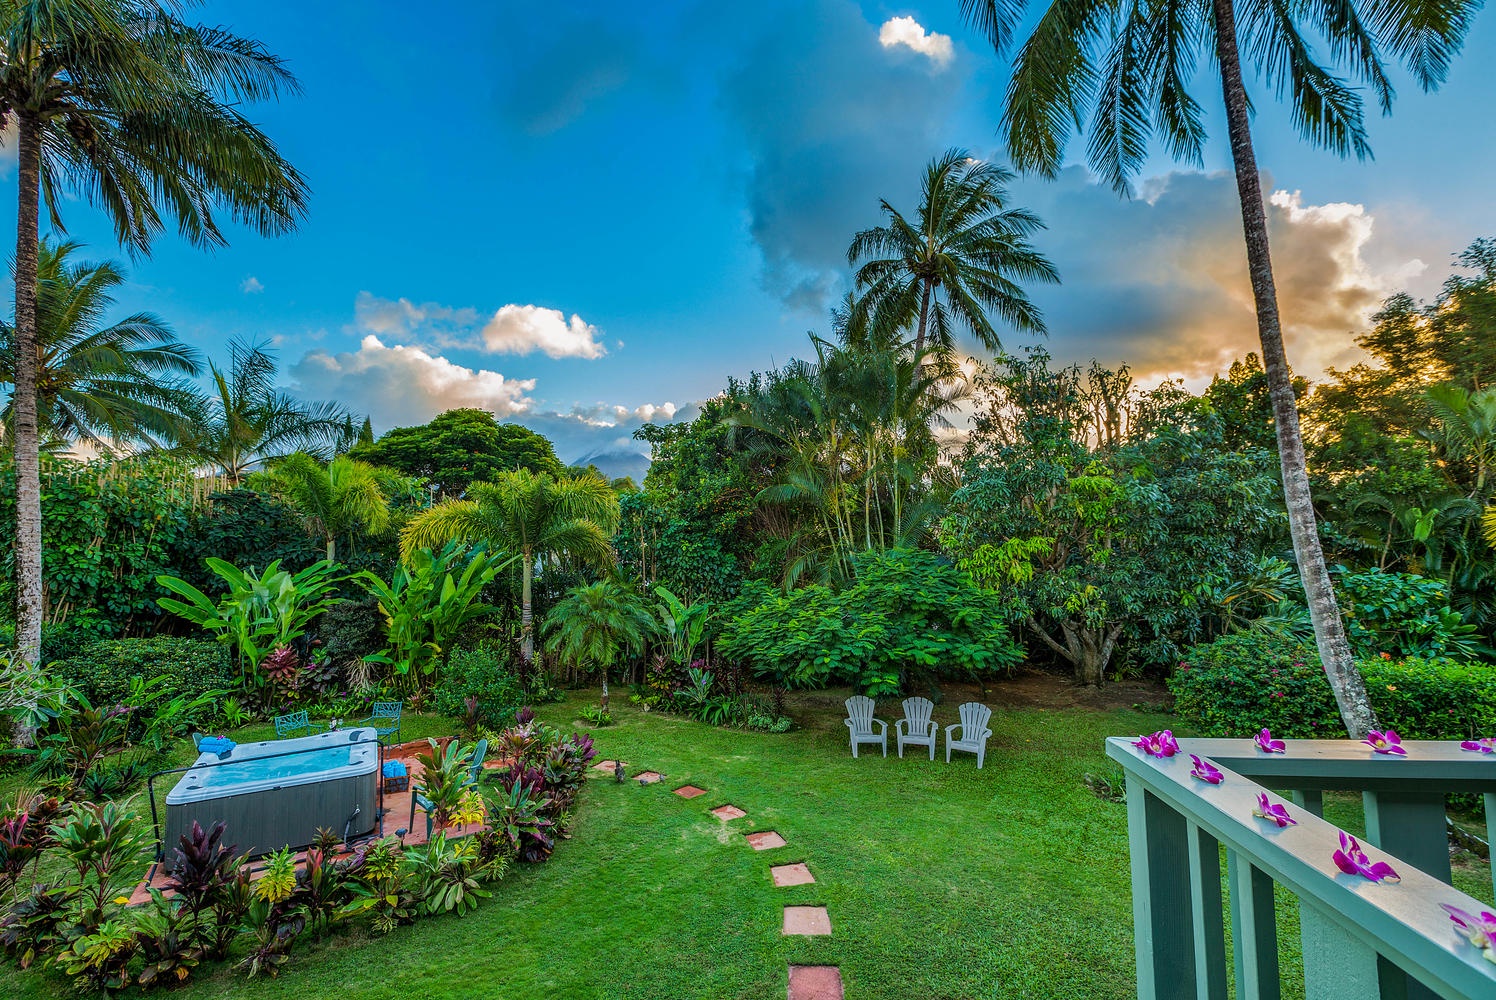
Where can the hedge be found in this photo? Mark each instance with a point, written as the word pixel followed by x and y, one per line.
pixel 1236 685
pixel 102 670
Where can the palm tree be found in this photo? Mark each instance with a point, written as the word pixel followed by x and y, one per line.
pixel 95 383
pixel 853 436
pixel 962 257
pixel 527 512
pixel 246 421
pixel 334 499
pixel 1465 429
pixel 593 624
pixel 1128 65
pixel 126 104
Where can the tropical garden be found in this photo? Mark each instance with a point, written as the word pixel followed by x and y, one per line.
pixel 885 516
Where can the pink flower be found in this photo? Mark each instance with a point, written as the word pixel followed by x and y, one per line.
pixel 1385 742
pixel 1273 812
pixel 1478 930
pixel 1159 744
pixel 1206 771
pixel 1487 745
pixel 1353 861
pixel 1265 742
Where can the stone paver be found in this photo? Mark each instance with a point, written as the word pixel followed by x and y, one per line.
pixel 728 812
pixel 649 777
pixel 796 874
pixel 815 982
pixel 689 791
pixel 810 921
pixel 607 765
pixel 765 840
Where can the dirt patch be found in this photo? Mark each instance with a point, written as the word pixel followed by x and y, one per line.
pixel 1025 689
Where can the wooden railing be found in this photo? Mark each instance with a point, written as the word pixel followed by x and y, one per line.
pixel 1361 940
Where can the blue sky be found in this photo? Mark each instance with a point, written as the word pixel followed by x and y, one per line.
pixel 586 215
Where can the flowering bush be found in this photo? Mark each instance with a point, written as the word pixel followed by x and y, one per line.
pixel 1243 682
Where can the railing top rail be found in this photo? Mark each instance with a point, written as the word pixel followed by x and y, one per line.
pixel 1403 921
pixel 1346 764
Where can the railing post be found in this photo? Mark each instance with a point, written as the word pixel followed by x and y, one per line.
pixel 1410 825
pixel 1162 897
pixel 1209 919
pixel 1491 837
pixel 1338 965
pixel 1311 800
pixel 1254 929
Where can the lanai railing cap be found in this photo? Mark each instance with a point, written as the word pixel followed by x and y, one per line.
pixel 1338 764
pixel 1403 921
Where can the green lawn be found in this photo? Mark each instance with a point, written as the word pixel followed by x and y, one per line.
pixel 941 882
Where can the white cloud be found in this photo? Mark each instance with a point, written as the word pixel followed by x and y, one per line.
pixel 1177 300
pixel 517 329
pixel 513 329
pixel 406 385
pixel 910 33
pixel 251 285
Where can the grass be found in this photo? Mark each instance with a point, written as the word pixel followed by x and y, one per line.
pixel 941 881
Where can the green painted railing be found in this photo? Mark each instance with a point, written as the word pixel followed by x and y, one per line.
pixel 1361 940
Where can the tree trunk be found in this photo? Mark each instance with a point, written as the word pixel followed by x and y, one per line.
pixel 27 446
pixel 605 690
pixel 924 318
pixel 1329 630
pixel 526 616
pixel 1088 651
pixel 332 549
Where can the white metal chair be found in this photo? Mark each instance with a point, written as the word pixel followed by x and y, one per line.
pixel 974 732
pixel 916 728
pixel 860 724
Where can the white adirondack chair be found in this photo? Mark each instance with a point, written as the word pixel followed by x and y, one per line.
pixel 860 723
pixel 974 732
pixel 915 727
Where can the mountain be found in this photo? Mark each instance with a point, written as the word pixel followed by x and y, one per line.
pixel 618 463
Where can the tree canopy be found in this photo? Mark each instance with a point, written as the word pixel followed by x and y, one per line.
pixel 458 447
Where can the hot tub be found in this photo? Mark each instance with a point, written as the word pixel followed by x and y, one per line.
pixel 277 793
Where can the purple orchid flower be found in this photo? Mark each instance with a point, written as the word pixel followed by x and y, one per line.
pixel 1385 742
pixel 1267 744
pixel 1479 931
pixel 1487 745
pixel 1206 771
pixel 1159 744
pixel 1273 812
pixel 1353 861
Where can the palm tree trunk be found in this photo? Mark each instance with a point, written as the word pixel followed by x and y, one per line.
pixel 1329 631
pixel 28 553
pixel 332 549
pixel 924 319
pixel 526 615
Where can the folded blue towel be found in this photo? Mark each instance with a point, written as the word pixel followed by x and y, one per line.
pixel 393 769
pixel 215 744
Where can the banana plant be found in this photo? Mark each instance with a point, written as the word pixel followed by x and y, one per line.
pixel 431 596
pixel 260 613
pixel 683 625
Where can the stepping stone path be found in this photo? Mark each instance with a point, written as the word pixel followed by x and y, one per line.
pixel 815 982
pixel 808 921
pixel 607 765
pixel 806 982
pixel 797 874
pixel 765 840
